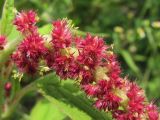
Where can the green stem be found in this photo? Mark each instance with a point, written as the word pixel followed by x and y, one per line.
pixel 19 95
pixel 4 56
pixel 1 93
pixel 17 98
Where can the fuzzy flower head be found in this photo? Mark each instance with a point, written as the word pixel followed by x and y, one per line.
pixel 29 52
pixel 25 22
pixel 152 112
pixel 92 50
pixel 61 34
pixel 136 99
pixel 62 59
pixel 2 42
pixel 105 98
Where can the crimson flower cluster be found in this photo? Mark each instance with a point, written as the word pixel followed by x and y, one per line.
pixel 87 60
pixel 2 41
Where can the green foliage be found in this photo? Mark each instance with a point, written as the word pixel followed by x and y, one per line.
pixel 68 110
pixel 5 29
pixel 129 60
pixel 7 16
pixel 44 110
pixel 66 96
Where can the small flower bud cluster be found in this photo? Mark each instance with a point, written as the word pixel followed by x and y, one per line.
pixel 8 87
pixel 2 42
pixel 87 60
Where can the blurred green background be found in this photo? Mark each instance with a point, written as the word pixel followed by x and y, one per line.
pixel 132 26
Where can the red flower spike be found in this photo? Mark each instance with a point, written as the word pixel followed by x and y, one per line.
pixel 81 59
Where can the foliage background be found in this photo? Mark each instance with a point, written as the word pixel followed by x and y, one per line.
pixel 132 26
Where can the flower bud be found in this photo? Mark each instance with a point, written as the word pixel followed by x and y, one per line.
pixel 7 87
pixel 2 42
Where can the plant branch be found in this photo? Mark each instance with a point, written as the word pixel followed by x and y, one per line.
pixel 17 98
pixel 19 95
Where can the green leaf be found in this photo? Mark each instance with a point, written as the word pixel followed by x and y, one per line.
pixel 46 29
pixel 150 36
pixel 67 95
pixel 129 60
pixel 13 34
pixel 73 112
pixel 116 41
pixel 7 17
pixel 45 110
